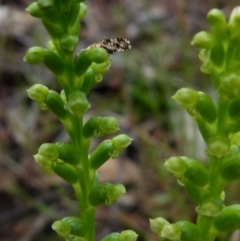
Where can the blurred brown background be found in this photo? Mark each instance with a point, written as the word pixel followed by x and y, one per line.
pixel 137 91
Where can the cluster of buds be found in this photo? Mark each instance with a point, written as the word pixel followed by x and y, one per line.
pixel 62 21
pixel 219 51
pixel 218 122
pixel 228 220
pixel 63 157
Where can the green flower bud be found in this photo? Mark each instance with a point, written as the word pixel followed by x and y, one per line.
pixel 128 235
pixel 207 66
pixel 157 224
pixel 216 17
pixel 223 196
pixel 68 43
pixel 62 228
pixel 90 128
pixel 101 68
pixel 217 20
pixel 63 96
pixel 194 192
pixel 210 58
pixel 83 10
pixel 235 141
pixel 111 237
pixel 38 92
pixel 196 172
pixel 49 151
pixel 186 97
pixel 218 147
pixel 53 62
pixel 121 141
pixel 98 55
pixel 229 219
pixel 189 231
pixel 66 172
pixel 34 10
pixel 230 83
pixel 101 154
pixel 114 192
pixel 98 77
pixel 204 55
pixel 206 107
pixel 67 153
pixel 45 3
pixel 98 195
pixel 34 55
pixel 108 125
pixel 171 232
pixel 203 40
pixel 44 163
pixel 230 170
pixel 177 166
pixel 51 46
pixel 77 226
pixel 78 103
pixel 49 11
pixel 89 81
pixel 234 23
pixel 82 62
pixel 210 208
pixel 99 126
pixel 233 108
pixel 234 146
pixel 55 103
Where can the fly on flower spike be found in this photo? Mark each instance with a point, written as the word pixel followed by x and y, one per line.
pixel 112 45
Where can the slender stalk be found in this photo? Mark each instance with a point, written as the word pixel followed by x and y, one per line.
pixel 205 226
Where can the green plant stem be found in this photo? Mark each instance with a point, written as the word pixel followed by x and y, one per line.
pixel 79 194
pixel 215 80
pixel 232 50
pixel 75 132
pixel 216 186
pixel 90 224
pixel 83 187
pixel 222 113
pixel 68 82
pixel 205 226
pixel 87 212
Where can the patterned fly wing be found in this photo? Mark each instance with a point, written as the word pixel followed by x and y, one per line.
pixel 113 45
